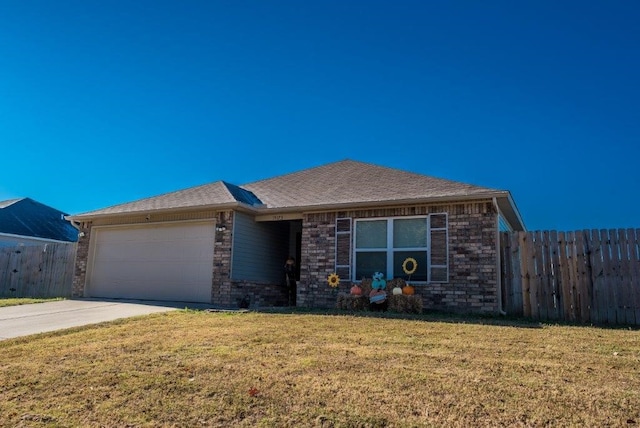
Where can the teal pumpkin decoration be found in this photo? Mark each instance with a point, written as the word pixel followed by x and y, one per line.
pixel 378 282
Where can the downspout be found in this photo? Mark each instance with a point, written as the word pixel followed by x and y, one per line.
pixel 501 310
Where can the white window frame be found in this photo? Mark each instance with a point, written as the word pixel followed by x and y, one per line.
pixel 390 249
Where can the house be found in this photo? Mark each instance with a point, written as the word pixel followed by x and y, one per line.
pixel 28 222
pixel 220 242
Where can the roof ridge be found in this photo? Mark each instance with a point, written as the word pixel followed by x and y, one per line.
pixel 301 171
pixel 8 202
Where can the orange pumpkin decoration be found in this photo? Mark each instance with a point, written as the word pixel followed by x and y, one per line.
pixel 356 290
pixel 408 290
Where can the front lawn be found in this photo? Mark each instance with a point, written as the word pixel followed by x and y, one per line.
pixel 24 301
pixel 189 368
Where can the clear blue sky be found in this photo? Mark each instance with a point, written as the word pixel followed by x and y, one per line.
pixel 104 102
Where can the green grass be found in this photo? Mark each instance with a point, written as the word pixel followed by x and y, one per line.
pixel 24 301
pixel 189 368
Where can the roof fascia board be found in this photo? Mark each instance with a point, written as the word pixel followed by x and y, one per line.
pixel 510 213
pixel 216 207
pixel 373 204
pixel 505 201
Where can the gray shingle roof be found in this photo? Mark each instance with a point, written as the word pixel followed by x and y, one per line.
pixel 352 182
pixel 338 184
pixel 216 193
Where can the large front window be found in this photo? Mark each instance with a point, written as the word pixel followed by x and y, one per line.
pixel 382 245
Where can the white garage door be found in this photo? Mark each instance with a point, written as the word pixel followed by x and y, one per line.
pixel 153 262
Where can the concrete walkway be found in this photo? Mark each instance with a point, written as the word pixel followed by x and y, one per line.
pixel 23 320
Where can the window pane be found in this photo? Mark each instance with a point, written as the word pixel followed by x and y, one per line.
pixel 371 234
pixel 369 263
pixel 421 272
pixel 410 232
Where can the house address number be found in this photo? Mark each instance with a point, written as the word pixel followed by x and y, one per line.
pixel 279 217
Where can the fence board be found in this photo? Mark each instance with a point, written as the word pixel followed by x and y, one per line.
pixel 37 271
pixel 616 286
pixel 524 274
pixel 533 280
pixel 554 258
pixel 597 262
pixel 563 276
pixel 507 273
pixel 572 272
pixel 584 285
pixel 543 307
pixel 547 280
pixel 516 276
pixel 584 276
pixel 625 278
pixel 634 238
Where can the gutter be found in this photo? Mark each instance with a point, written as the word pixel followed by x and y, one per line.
pixel 263 209
pixel 216 207
pixel 387 203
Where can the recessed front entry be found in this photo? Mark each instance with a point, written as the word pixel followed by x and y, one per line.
pixel 165 261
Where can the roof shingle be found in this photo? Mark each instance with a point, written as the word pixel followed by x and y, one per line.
pixel 352 182
pixel 216 193
pixel 26 217
pixel 344 182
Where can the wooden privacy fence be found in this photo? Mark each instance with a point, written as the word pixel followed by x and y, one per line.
pixel 584 276
pixel 37 270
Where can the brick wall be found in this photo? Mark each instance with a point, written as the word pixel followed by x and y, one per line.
pixel 472 285
pixel 259 294
pixel 221 285
pixel 317 260
pixel 82 257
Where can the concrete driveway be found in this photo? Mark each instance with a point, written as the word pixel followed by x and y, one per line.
pixel 23 320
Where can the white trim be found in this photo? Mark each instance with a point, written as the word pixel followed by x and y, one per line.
pixel 390 250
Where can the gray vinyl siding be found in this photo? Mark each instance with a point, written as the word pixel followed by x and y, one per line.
pixel 259 249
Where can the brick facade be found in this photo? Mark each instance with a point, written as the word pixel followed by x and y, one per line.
pixel 472 285
pixel 221 284
pixel 82 257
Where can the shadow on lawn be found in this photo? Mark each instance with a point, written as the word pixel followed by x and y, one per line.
pixel 430 316
pixel 446 317
pixel 427 316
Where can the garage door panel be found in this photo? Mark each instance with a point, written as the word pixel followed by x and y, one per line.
pixel 158 262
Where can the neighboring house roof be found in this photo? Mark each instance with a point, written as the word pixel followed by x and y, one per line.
pixel 26 217
pixel 336 185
